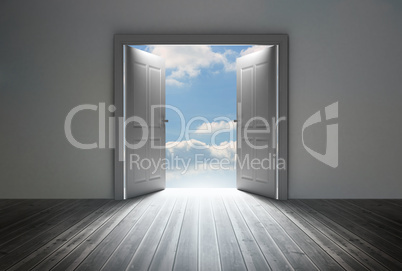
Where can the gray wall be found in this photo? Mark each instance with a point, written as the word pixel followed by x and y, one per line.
pixel 55 55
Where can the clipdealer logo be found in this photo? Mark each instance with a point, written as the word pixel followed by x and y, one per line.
pixel 330 157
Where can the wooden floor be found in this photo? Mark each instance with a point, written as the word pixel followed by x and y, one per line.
pixel 185 229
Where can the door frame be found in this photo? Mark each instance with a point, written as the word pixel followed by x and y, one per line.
pixel 281 40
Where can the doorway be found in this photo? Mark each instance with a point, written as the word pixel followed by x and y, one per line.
pixel 251 84
pixel 201 99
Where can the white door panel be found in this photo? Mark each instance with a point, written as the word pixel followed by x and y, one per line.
pixel 256 97
pixel 145 89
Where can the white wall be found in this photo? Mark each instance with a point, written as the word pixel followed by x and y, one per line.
pixel 55 55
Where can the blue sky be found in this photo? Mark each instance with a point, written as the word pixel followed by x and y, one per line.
pixel 201 82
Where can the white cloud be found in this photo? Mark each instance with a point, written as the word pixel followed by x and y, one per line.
pixel 212 166
pixel 174 82
pixel 226 149
pixel 252 49
pixel 187 61
pixel 212 127
pixel 185 145
pixel 189 148
pixel 229 66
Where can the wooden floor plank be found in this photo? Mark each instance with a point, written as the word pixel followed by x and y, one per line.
pixel 229 249
pixel 380 208
pixel 148 229
pixel 200 229
pixel 5 202
pixel 18 252
pixel 9 203
pixel 69 238
pixel 163 259
pixel 317 255
pixel 40 220
pixel 397 202
pixel 252 254
pixel 96 250
pixel 12 242
pixel 74 252
pixel 321 235
pixel 272 253
pixel 186 257
pixel 143 255
pixel 20 212
pixel 294 254
pixel 383 223
pixel 208 244
pixel 371 237
pixel 380 227
pixel 368 254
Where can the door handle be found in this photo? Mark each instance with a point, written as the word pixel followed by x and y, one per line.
pixel 234 120
pixel 165 120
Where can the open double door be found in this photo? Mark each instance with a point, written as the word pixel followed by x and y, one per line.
pixel 144 87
